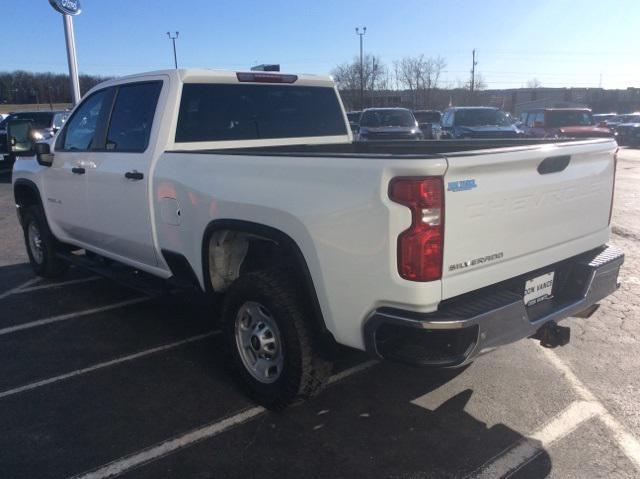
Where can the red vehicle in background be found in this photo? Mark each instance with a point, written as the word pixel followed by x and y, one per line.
pixel 563 122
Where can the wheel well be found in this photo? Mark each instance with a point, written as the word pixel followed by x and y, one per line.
pixel 26 194
pixel 238 247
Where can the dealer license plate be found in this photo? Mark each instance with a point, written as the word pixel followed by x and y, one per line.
pixel 538 289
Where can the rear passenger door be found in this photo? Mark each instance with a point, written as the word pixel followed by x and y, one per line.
pixel 118 181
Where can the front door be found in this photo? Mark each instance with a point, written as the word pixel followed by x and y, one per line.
pixel 65 185
pixel 118 179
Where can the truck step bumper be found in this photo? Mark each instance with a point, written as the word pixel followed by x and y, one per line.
pixel 475 323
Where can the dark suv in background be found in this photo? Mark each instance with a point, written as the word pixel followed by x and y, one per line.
pixel 429 123
pixel 45 125
pixel 628 133
pixel 478 122
pixel 388 124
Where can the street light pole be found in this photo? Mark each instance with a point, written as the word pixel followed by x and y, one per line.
pixel 173 39
pixel 361 34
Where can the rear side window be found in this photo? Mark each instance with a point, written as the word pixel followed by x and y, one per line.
pixel 218 112
pixel 132 117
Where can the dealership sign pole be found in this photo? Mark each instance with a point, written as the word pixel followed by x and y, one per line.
pixel 70 8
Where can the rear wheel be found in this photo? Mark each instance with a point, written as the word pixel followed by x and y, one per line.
pixel 41 245
pixel 271 343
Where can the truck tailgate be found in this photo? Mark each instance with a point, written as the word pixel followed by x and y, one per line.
pixel 508 212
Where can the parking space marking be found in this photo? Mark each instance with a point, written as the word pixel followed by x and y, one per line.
pixel 64 317
pixel 348 372
pixel 515 457
pixel 17 289
pixel 106 364
pixel 119 466
pixel 625 440
pixel 55 285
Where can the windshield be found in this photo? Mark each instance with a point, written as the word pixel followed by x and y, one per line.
pixel 377 118
pixel 481 117
pixel 59 119
pixel 427 116
pixel 39 119
pixel 560 118
pixel 354 117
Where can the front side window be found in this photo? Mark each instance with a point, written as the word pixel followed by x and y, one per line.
pixel 81 128
pixel 132 117
pixel 218 112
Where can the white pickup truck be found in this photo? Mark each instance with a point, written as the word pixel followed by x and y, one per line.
pixel 249 184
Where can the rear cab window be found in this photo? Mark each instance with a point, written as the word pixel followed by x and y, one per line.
pixel 212 112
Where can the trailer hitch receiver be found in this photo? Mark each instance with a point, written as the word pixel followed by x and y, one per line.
pixel 551 335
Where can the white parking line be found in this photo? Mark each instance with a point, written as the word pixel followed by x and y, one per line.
pixel 17 289
pixel 626 441
pixel 55 285
pixel 514 458
pixel 113 362
pixel 162 449
pixel 64 317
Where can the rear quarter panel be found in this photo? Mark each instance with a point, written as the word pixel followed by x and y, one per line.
pixel 335 209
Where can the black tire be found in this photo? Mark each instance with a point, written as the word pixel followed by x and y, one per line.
pixel 43 260
pixel 304 371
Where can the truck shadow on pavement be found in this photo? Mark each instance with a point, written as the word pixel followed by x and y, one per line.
pixel 363 426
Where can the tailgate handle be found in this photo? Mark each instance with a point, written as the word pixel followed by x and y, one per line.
pixel 554 164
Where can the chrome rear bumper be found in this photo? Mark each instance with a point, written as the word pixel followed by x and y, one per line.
pixel 475 323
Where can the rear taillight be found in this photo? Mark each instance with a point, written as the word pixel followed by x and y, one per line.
pixel 613 188
pixel 420 247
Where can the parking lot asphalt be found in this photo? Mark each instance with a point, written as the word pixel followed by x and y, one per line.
pixel 97 381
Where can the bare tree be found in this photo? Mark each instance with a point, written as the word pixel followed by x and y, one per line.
pixel 534 83
pixel 478 84
pixel 419 75
pixel 374 77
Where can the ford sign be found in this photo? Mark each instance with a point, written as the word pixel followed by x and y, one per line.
pixel 67 7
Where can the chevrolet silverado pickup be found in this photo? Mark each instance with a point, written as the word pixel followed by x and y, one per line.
pixel 248 186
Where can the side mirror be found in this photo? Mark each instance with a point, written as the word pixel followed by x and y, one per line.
pixel 538 124
pixel 43 154
pixel 603 124
pixel 19 137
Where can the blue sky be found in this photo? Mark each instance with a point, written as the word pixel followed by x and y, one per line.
pixel 562 43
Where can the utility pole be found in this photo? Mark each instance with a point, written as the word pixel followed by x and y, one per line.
pixel 361 34
pixel 473 72
pixel 173 39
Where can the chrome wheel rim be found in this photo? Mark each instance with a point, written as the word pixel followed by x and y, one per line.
pixel 35 243
pixel 259 342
